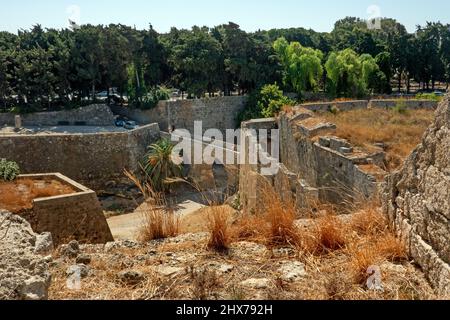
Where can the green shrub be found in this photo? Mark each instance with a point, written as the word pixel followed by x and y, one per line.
pixel 265 103
pixel 400 107
pixel 9 170
pixel 428 96
pixel 151 99
pixel 159 166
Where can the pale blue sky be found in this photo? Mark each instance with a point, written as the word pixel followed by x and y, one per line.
pixel 319 15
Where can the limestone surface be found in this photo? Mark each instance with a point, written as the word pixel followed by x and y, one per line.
pixel 24 274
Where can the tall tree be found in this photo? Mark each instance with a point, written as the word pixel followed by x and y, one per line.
pixel 302 66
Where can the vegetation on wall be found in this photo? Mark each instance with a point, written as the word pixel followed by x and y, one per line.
pixel 9 170
pixel 265 103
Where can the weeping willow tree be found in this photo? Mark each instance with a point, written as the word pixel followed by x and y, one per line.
pixel 351 75
pixel 302 65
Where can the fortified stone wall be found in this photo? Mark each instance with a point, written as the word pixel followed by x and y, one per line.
pixel 417 201
pixel 219 113
pixel 365 104
pixel 77 216
pixel 409 104
pixel 315 165
pixel 92 159
pixel 94 115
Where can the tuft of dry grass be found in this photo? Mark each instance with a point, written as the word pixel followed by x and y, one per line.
pixel 250 227
pixel 362 256
pixel 331 234
pixel 159 219
pixel 280 216
pixel 392 248
pixel 158 224
pixel 220 235
pixel 369 221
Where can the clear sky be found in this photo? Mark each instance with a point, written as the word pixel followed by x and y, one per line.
pixel 251 15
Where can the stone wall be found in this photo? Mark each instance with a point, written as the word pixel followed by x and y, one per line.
pixel 76 216
pixel 92 159
pixel 24 270
pixel 94 115
pixel 409 104
pixel 314 164
pixel 220 113
pixel 365 104
pixel 330 164
pixel 417 201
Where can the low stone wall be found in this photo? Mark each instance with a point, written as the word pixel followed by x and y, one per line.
pixel 76 216
pixel 417 201
pixel 411 104
pixel 218 113
pixel 341 105
pixel 408 103
pixel 94 115
pixel 92 159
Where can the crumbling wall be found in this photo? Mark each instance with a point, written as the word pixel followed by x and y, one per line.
pixel 24 272
pixel 92 159
pixel 330 164
pixel 93 115
pixel 417 201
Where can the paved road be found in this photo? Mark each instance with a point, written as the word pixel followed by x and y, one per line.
pixel 126 227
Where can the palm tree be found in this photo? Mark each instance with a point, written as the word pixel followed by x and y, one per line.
pixel 159 166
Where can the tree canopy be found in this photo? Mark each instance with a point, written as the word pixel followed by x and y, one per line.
pixel 42 69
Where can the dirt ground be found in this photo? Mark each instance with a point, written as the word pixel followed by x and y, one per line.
pixel 19 194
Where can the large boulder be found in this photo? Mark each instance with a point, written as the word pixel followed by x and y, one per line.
pixel 24 273
pixel 417 201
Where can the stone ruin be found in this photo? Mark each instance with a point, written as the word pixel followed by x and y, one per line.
pixel 417 201
pixel 315 165
pixel 24 270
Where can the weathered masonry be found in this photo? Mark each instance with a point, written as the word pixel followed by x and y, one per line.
pixel 75 216
pixel 417 201
pixel 92 159
pixel 314 164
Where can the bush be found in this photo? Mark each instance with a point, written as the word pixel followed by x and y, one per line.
pixel 401 107
pixel 265 103
pixel 9 170
pixel 428 96
pixel 151 99
pixel 159 166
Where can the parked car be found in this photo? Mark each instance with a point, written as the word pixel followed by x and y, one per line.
pixel 120 122
pixel 102 96
pixel 130 125
pixel 438 93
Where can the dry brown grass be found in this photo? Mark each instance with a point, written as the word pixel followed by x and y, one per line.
pixel 331 234
pixel 369 221
pixel 158 224
pixel 204 283
pixel 392 248
pixel 160 221
pixel 401 132
pixel 220 235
